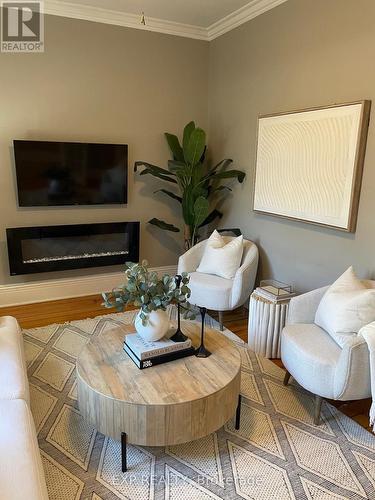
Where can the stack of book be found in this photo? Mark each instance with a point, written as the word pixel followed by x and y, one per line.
pixel 146 354
pixel 274 291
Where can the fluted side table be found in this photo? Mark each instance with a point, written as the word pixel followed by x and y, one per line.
pixel 266 320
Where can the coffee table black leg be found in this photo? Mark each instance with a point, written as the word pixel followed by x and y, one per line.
pixel 238 414
pixel 123 452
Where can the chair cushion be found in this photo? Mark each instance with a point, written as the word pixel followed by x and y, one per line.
pixel 13 376
pixel 210 291
pixel 21 471
pixel 346 307
pixel 221 258
pixel 310 355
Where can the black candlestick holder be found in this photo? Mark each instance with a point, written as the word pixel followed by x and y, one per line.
pixel 178 336
pixel 202 352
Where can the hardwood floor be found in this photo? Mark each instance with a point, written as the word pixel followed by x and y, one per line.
pixel 60 311
pixel 56 311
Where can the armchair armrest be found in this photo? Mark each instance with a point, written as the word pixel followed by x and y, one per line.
pixel 302 308
pixel 190 260
pixel 244 279
pixel 352 375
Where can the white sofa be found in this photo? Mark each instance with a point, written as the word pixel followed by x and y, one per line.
pixel 21 470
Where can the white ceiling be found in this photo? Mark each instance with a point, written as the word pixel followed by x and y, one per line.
pixel 201 19
pixel 201 13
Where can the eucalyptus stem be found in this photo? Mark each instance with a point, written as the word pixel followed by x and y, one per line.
pixel 149 292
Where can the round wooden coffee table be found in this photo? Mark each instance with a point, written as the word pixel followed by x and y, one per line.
pixel 166 404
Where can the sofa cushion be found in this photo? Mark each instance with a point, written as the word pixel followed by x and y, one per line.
pixel 311 356
pixel 210 291
pixel 346 307
pixel 221 258
pixel 13 376
pixel 21 471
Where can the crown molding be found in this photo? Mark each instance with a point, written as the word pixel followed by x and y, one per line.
pixel 115 17
pixel 242 15
pixel 100 15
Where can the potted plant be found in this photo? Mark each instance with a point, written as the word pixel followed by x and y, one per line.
pixel 195 186
pixel 144 289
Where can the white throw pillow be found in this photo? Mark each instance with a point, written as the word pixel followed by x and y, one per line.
pixel 220 258
pixel 346 307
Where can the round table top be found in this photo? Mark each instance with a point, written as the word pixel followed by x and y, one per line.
pixel 105 368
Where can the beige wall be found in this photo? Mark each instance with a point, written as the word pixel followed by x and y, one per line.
pixel 102 83
pixel 303 53
pixel 97 82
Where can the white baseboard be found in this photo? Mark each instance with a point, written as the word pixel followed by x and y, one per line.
pixel 65 288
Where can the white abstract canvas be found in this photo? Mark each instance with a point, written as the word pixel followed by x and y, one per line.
pixel 309 164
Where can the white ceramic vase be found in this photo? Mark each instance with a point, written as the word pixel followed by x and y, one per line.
pixel 156 328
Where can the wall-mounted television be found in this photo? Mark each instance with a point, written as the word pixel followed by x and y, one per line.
pixel 70 173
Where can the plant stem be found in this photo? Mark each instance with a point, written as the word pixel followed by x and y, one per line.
pixel 192 243
pixel 187 236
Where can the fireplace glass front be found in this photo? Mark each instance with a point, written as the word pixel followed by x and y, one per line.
pixel 53 248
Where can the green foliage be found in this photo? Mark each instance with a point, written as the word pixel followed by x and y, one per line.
pixel 200 188
pixel 215 214
pixel 189 128
pixel 163 225
pixel 170 194
pixel 201 206
pixel 174 146
pixel 144 289
pixel 195 147
pixel 161 173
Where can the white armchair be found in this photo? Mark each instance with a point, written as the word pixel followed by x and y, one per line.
pixel 214 292
pixel 317 362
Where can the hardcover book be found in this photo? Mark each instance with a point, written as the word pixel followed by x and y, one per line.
pixel 157 360
pixel 266 294
pixel 145 350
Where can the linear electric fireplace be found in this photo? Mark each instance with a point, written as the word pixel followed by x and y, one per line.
pixel 57 248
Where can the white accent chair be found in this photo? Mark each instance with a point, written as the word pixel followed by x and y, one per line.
pixel 216 293
pixel 317 362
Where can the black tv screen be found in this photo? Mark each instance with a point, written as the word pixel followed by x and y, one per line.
pixel 70 173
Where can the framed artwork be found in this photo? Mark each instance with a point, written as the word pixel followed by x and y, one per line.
pixel 309 164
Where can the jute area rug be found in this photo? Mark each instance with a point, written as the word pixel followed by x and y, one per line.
pixel 278 453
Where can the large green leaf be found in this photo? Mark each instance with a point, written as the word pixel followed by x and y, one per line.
pixel 189 128
pixel 164 225
pixel 201 207
pixel 229 174
pixel 223 164
pixel 215 214
pixel 195 148
pixel 203 157
pixel 170 194
pixel 176 166
pixel 174 146
pixel 199 190
pixel 188 200
pixel 158 175
pixel 197 173
pixel 190 195
pixel 159 172
pixel 220 188
pixel 151 167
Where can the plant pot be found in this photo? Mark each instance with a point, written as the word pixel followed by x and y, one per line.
pixel 156 328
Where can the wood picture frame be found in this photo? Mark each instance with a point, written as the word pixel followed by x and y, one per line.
pixel 309 164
